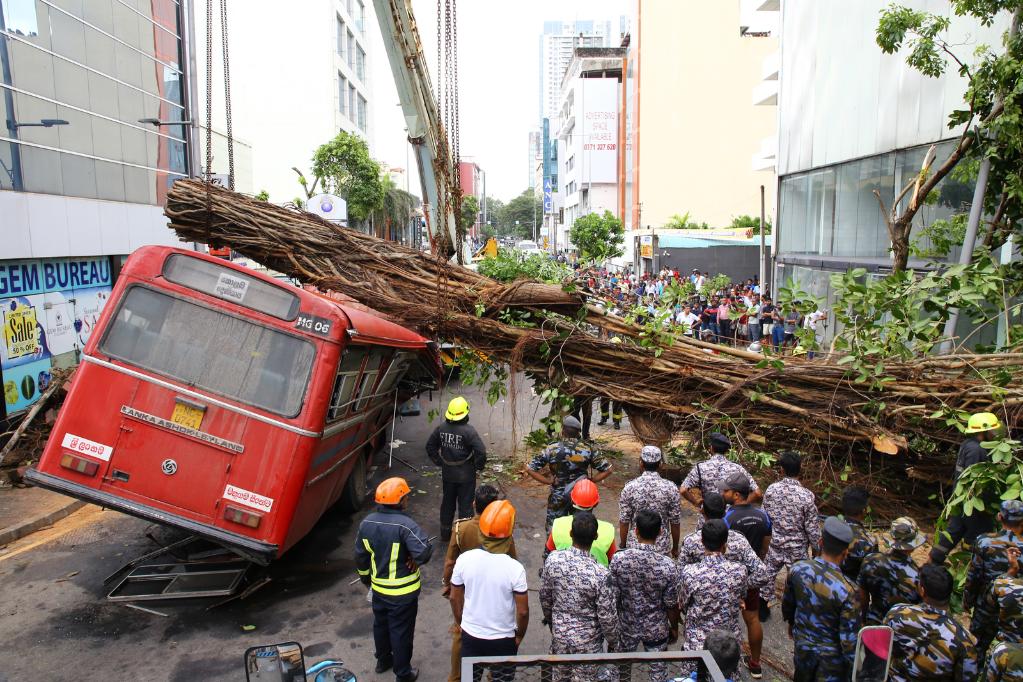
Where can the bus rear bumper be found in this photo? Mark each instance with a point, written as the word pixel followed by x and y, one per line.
pixel 254 550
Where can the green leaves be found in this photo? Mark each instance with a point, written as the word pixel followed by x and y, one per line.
pixel 509 266
pixel 343 167
pixel 920 31
pixel 598 237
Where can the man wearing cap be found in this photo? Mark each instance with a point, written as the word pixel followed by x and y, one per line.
pixel 711 591
pixel 854 508
pixel 1005 598
pixel 466 536
pixel 707 476
pixel 459 451
pixel 650 491
pixel 822 608
pixel 647 585
pixel 796 528
pixel 891 578
pixel 928 642
pixel 389 549
pixel 980 427
pixel 990 560
pixel 753 524
pixel 585 497
pixel 578 598
pixel 489 595
pixel 566 460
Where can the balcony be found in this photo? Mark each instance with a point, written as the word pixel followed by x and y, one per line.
pixel 756 22
pixel 771 67
pixel 766 94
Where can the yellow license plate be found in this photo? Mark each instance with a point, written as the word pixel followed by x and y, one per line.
pixel 187 415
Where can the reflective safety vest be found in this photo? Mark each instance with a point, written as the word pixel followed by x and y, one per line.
pixel 391 585
pixel 386 540
pixel 561 533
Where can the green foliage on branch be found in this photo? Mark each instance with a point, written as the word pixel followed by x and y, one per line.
pixel 599 238
pixel 739 222
pixel 509 266
pixel 683 222
pixel 470 210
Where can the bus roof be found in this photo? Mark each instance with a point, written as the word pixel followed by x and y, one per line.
pixel 360 323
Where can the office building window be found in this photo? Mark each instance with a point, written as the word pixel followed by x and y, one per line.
pixel 360 63
pixel 341 30
pixel 342 94
pixel 351 102
pixel 362 113
pixel 350 57
pixel 74 84
pixel 360 17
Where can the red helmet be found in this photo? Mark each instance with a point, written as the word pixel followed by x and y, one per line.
pixel 585 494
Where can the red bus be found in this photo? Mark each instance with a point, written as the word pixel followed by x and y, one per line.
pixel 226 403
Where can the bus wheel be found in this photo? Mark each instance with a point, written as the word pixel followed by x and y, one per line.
pixel 354 495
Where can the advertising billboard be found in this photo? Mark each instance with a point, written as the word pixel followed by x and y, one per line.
pixel 600 130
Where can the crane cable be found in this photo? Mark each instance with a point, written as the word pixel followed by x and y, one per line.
pixel 208 171
pixel 449 186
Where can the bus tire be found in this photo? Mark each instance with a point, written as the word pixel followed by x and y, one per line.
pixel 355 492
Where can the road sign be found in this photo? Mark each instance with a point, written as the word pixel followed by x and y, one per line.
pixel 548 197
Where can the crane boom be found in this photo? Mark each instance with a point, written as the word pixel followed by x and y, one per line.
pixel 438 169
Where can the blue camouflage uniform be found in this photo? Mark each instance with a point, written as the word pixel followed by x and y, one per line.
pixel 569 459
pixel 1005 600
pixel 929 644
pixel 1005 663
pixel 823 609
pixel 863 544
pixel 989 561
pixel 889 579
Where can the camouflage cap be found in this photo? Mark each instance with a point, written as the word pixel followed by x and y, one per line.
pixel 905 534
pixel 1012 511
pixel 650 454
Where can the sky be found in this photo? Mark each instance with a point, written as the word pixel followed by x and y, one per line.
pixel 499 83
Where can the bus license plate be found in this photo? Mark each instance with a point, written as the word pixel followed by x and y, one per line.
pixel 188 416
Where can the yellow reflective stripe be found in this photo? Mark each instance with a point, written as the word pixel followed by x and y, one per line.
pixel 393 569
pixel 361 572
pixel 397 591
pixel 372 558
pixel 396 582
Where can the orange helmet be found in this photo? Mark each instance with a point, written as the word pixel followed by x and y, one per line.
pixel 498 519
pixel 585 494
pixel 392 491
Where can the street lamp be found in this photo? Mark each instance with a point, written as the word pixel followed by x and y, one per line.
pixel 43 123
pixel 156 123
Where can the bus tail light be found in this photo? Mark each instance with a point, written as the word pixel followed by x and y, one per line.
pixel 79 464
pixel 232 513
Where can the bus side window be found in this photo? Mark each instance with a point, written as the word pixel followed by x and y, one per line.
pixel 365 394
pixel 344 385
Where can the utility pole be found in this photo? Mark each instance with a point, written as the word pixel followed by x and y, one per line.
pixel 763 250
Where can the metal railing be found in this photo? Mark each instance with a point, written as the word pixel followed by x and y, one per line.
pixel 664 666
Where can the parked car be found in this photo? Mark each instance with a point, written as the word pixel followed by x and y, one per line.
pixel 528 247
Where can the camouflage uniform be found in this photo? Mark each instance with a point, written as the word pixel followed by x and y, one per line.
pixel 1005 663
pixel 647 585
pixel 737 549
pixel 578 599
pixel 863 544
pixel 710 593
pixel 823 610
pixel 929 644
pixel 889 579
pixel 796 528
pixel 1005 598
pixel 657 494
pixel 569 459
pixel 989 561
pixel 710 472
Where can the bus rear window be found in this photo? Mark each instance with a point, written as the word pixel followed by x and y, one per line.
pixel 211 350
pixel 231 285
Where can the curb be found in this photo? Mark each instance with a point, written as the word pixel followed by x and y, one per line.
pixel 12 533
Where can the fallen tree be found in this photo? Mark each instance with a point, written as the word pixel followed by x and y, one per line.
pixel 547 330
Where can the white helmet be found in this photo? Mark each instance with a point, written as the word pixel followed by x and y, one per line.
pixel 754 347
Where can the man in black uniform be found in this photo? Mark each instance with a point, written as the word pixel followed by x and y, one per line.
pixel 980 427
pixel 389 549
pixel 457 449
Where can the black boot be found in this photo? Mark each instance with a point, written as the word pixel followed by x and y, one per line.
pixel 411 677
pixel 383 665
pixel 603 420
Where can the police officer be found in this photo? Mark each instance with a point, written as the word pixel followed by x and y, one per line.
pixel 585 497
pixel 854 508
pixel 1005 598
pixel 650 491
pixel 389 548
pixel 578 598
pixel 711 591
pixel 822 609
pixel 890 578
pixel 457 449
pixel 990 560
pixel 980 427
pixel 928 643
pixel 708 475
pixel 566 461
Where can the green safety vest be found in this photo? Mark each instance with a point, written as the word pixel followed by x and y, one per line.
pixel 561 533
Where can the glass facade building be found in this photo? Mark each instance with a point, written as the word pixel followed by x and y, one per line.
pixel 77 81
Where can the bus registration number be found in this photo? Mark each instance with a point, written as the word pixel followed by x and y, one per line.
pixel 189 416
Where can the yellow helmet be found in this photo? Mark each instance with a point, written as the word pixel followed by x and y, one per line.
pixel 798 350
pixel 458 409
pixel 982 421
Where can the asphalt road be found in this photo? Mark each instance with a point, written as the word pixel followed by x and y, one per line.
pixel 56 624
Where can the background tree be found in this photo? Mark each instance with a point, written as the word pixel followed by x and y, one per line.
pixel 343 167
pixel 470 211
pixel 992 117
pixel 598 237
pixel 493 213
pixel 750 221
pixel 395 208
pixel 525 208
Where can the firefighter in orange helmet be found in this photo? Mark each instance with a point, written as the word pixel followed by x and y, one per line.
pixel 389 548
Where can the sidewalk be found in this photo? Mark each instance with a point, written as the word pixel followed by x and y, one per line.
pixel 26 510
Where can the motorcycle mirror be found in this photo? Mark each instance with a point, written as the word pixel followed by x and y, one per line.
pixel 275 663
pixel 873 654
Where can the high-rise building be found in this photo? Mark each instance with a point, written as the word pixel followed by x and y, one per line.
pixel 94 128
pixel 534 153
pixel 558 40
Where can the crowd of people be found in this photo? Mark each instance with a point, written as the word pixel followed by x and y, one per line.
pixel 643 586
pixel 731 314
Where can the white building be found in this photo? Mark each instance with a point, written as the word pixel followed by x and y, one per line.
pixel 93 110
pixel 588 133
pixel 557 42
pixel 299 75
pixel 853 120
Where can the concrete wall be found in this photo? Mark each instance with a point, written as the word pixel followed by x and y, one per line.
pixel 697 125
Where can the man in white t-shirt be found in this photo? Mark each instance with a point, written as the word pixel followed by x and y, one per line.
pixel 687 320
pixel 489 595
